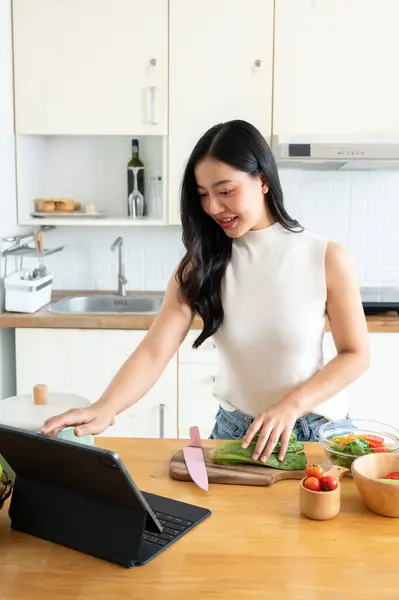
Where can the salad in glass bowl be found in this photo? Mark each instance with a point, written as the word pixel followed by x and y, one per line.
pixel 345 440
pixel 5 487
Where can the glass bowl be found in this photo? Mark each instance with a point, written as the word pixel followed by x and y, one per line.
pixel 5 488
pixel 378 437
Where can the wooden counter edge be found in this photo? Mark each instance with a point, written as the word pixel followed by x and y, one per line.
pixel 45 319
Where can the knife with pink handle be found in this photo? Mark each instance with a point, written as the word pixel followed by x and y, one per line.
pixel 194 458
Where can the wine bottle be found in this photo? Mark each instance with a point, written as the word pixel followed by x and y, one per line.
pixel 135 162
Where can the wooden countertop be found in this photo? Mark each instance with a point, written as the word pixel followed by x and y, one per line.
pixel 44 318
pixel 255 545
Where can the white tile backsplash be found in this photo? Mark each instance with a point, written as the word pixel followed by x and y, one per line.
pixel 359 210
pixel 87 262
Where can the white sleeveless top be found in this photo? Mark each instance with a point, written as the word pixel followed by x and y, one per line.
pixel 271 340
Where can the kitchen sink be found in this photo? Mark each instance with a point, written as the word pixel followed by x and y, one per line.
pixel 108 304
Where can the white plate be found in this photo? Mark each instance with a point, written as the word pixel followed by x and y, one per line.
pixel 21 412
pixel 71 215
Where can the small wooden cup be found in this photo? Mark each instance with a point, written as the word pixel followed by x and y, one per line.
pixel 322 506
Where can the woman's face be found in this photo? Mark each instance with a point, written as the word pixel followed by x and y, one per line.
pixel 234 199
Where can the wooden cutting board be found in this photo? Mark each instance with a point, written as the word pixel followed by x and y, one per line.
pixel 237 475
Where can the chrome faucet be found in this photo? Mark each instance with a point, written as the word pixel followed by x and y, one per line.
pixel 122 281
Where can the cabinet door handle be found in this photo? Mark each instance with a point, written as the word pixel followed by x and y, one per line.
pixel 258 63
pixel 153 105
pixel 162 420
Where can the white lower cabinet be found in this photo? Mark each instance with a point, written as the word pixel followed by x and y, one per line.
pixel 83 361
pixel 197 406
pixel 374 395
pixel 196 375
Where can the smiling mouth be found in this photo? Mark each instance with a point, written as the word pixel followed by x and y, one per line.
pixel 227 222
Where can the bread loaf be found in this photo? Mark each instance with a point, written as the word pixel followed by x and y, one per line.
pixel 64 204
pixel 61 205
pixel 45 205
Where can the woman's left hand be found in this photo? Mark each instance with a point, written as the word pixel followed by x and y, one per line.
pixel 272 423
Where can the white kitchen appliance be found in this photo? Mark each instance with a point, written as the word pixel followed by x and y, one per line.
pixel 27 295
pixel 336 152
pixel 29 411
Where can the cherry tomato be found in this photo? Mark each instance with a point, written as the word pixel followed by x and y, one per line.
pixel 394 475
pixel 312 483
pixel 314 471
pixel 328 483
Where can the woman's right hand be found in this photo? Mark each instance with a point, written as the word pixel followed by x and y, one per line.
pixel 86 421
pixel 139 372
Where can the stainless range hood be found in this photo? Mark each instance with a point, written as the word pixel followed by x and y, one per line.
pixel 350 154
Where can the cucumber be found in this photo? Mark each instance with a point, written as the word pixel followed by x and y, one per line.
pixel 394 481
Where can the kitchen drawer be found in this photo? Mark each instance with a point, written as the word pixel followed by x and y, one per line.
pixel 206 353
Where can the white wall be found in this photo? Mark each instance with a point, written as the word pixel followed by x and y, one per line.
pixel 7 149
pixel 359 210
pixel 8 224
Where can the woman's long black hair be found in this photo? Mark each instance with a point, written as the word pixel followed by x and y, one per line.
pixel 208 249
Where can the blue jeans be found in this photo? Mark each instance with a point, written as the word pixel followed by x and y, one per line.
pixel 233 425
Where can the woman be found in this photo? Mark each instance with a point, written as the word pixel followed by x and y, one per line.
pixel 262 286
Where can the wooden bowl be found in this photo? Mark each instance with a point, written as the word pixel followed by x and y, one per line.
pixel 382 498
pixel 322 506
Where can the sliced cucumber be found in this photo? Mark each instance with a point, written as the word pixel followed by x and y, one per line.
pixel 394 481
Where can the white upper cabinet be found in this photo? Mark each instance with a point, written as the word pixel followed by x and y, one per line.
pixel 336 67
pixel 91 66
pixel 220 69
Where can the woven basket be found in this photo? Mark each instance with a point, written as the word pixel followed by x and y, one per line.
pixel 5 489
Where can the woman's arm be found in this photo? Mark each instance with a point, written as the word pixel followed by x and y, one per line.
pixel 349 331
pixel 140 371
